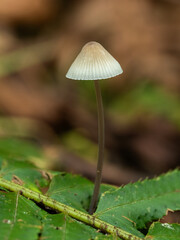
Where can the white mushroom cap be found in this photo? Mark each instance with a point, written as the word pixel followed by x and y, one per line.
pixel 93 63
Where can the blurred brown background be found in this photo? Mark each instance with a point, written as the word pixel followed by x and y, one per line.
pixel 39 39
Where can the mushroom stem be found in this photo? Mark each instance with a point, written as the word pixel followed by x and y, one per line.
pixel 94 200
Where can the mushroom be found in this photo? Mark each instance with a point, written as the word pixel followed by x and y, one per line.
pixel 95 63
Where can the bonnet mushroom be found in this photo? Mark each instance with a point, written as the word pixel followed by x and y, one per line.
pixel 95 63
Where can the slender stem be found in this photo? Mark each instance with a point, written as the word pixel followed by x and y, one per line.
pixel 60 207
pixel 101 137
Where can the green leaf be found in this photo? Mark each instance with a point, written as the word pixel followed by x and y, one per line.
pixel 61 226
pixel 51 204
pixel 24 173
pixel 132 206
pixel 16 157
pixel 18 149
pixel 163 231
pixel 62 212
pixel 73 190
pixel 21 218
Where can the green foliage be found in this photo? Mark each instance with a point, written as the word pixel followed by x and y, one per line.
pixel 16 159
pixel 25 173
pixel 146 98
pixel 61 213
pixel 134 205
pixel 163 231
pixel 80 145
pixel 18 149
pixel 21 218
pixel 60 226
pixel 74 191
pixel 36 53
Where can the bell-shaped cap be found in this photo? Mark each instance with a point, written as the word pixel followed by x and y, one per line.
pixel 93 63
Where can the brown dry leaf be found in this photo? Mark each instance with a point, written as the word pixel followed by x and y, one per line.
pixel 7 41
pixel 17 180
pixel 26 11
pixel 46 175
pixel 17 98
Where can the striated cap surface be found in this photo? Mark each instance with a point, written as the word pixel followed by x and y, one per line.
pixel 93 63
